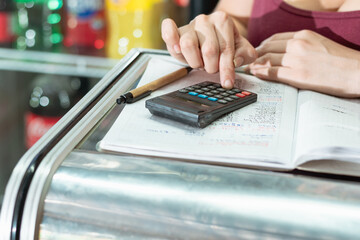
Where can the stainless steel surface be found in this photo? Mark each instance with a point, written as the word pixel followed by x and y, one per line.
pixel 63 189
pixel 102 196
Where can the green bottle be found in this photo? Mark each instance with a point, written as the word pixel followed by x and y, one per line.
pixel 39 25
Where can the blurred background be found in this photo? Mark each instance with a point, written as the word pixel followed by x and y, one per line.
pixel 52 52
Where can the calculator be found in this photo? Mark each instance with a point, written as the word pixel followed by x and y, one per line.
pixel 200 104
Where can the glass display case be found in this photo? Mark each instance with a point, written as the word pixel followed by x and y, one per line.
pixel 18 72
pixel 64 188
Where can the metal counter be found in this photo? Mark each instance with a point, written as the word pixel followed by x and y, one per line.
pixel 63 188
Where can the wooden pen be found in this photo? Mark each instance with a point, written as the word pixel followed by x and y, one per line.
pixel 147 89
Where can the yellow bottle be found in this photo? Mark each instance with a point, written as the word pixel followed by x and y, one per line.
pixel 133 24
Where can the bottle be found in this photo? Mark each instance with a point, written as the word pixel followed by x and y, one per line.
pixel 39 25
pixel 7 35
pixel 133 24
pixel 50 98
pixel 85 27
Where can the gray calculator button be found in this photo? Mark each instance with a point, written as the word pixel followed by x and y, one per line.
pixel 196 86
pixel 199 91
pixel 216 85
pixel 236 90
pixel 183 90
pixel 209 93
pixel 222 101
pixel 205 89
pixel 225 94
pixel 234 97
pixel 215 91
pixel 190 88
pixel 219 96
pixel 221 89
pixel 211 87
pixel 228 99
pixel 230 92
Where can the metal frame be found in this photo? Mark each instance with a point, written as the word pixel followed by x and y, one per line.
pixel 31 176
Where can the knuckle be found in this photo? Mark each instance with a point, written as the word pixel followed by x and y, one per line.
pixel 187 43
pixel 298 45
pixel 210 50
pixel 304 34
pixel 221 17
pixel 201 18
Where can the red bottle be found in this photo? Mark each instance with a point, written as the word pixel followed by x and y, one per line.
pixel 6 18
pixel 85 27
pixel 50 98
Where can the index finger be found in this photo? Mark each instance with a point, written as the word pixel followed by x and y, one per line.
pixel 170 35
pixel 225 34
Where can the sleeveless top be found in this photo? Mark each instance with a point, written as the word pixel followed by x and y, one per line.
pixel 275 16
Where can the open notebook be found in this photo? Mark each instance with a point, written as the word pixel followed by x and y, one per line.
pixel 283 130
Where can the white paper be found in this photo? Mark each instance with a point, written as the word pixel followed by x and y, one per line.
pixel 328 128
pixel 260 134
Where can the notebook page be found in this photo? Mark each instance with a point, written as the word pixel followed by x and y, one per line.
pixel 259 135
pixel 328 128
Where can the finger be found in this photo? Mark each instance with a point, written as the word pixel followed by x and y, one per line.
pixel 278 46
pixel 170 35
pixel 279 36
pixel 208 41
pixel 224 28
pixel 245 53
pixel 189 45
pixel 280 74
pixel 276 59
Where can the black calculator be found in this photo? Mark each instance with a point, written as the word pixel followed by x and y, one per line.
pixel 200 104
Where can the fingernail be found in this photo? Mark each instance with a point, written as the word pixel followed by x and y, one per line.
pixel 177 48
pixel 238 61
pixel 228 84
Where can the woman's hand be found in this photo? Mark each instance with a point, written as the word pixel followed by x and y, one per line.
pixel 307 60
pixel 211 42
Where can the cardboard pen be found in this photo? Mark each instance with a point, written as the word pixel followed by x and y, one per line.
pixel 144 91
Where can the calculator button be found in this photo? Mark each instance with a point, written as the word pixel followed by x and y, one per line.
pixel 199 91
pixel 212 99
pixel 230 92
pixel 246 93
pixel 234 97
pixel 202 96
pixel 214 91
pixel 211 87
pixel 236 90
pixel 190 88
pixel 193 93
pixel 183 90
pixel 219 96
pixel 228 99
pixel 224 94
pixel 209 93
pixel 222 101
pixel 221 89
pixel 196 86
pixel 205 89
pixel 240 95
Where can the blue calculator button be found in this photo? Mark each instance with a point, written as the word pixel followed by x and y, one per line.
pixel 212 99
pixel 193 93
pixel 202 96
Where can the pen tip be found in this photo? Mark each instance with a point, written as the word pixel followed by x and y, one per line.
pixel 121 100
pixel 189 69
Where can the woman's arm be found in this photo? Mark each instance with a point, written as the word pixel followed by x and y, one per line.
pixel 213 42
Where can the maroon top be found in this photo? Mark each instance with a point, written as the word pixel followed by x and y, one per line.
pixel 275 16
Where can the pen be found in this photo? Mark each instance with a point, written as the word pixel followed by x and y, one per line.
pixel 144 91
